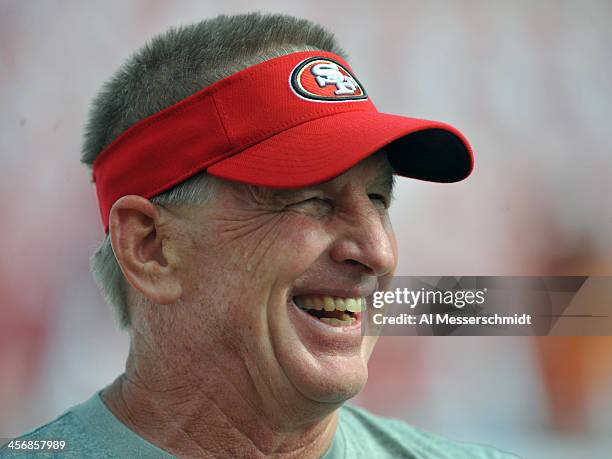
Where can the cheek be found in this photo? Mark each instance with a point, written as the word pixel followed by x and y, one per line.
pixel 302 244
pixel 276 251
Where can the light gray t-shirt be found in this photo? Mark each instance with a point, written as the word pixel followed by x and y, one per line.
pixel 92 431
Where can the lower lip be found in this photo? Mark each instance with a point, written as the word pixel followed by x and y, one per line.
pixel 315 332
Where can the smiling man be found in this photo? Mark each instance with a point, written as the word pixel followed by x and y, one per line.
pixel 244 179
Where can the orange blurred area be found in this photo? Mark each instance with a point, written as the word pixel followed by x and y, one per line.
pixel 573 370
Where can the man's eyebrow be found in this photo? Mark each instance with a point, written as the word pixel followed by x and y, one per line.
pixel 384 180
pixel 266 194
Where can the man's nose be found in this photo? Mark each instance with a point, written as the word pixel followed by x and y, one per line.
pixel 367 240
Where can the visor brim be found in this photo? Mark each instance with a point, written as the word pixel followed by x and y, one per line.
pixel 319 150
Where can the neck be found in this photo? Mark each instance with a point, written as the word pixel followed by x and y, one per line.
pixel 214 413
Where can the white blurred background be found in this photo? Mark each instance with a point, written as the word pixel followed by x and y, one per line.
pixel 527 82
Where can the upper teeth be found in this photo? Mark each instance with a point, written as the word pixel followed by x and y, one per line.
pixel 330 303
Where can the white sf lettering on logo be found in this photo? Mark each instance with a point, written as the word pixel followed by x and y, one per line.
pixel 330 74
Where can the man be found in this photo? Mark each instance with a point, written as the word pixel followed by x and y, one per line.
pixel 244 178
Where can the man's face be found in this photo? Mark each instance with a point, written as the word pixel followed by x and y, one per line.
pixel 255 256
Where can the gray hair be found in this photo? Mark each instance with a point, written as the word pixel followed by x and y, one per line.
pixel 169 68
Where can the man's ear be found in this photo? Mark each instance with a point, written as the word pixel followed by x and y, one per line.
pixel 138 242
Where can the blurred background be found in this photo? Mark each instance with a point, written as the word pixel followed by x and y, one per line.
pixel 527 82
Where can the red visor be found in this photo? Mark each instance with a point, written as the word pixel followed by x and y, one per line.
pixel 290 122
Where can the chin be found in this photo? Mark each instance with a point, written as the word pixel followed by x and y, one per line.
pixel 324 377
pixel 324 364
pixel 336 382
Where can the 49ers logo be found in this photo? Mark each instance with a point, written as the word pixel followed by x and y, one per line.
pixel 323 79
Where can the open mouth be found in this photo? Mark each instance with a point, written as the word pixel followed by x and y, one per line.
pixel 332 310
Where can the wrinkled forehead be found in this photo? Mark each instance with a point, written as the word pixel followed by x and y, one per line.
pixel 375 172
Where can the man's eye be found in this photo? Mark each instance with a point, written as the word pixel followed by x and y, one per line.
pixel 316 200
pixel 379 199
pixel 315 203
